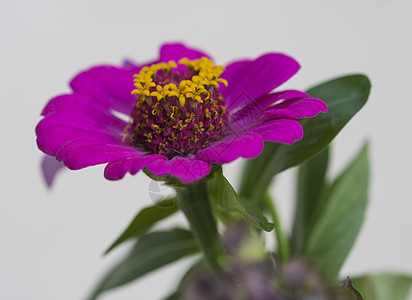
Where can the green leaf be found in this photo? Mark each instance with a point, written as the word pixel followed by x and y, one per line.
pixel 384 286
pixel 226 201
pixel 339 216
pixel 344 96
pixel 152 251
pixel 310 184
pixel 145 219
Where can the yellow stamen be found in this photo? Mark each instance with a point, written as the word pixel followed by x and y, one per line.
pixel 173 111
pixel 207 74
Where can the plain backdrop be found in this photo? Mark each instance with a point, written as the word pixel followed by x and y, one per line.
pixel 51 241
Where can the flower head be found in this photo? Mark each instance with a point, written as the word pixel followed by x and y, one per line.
pixel 185 114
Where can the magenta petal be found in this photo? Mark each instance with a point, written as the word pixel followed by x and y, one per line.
pixel 117 169
pixel 96 122
pixel 75 143
pixel 233 73
pixel 269 99
pixel 187 169
pixel 71 102
pixel 50 167
pixel 132 68
pixel 245 116
pixel 229 148
pixel 51 136
pixel 258 78
pixel 62 110
pixel 178 51
pixel 129 65
pixel 72 117
pixel 107 85
pixel 93 154
pixel 298 108
pixel 168 52
pixel 285 131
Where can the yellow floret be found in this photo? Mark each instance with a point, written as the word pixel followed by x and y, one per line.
pixel 207 75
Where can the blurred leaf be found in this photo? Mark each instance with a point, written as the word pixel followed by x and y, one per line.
pixel 339 216
pixel 151 252
pixel 145 219
pixel 198 264
pixel 344 96
pixel 226 201
pixel 310 184
pixel 384 286
pixel 281 236
pixel 173 296
pixel 347 291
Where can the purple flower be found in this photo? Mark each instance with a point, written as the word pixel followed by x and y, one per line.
pixel 183 117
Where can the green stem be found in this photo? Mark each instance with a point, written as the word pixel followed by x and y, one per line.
pixel 281 237
pixel 195 204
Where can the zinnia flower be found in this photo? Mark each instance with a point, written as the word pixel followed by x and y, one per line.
pixel 183 114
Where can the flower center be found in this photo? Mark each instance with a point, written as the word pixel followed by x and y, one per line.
pixel 179 109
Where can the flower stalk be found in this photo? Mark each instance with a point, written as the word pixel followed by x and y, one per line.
pixel 195 204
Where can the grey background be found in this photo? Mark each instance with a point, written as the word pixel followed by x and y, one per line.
pixel 52 240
